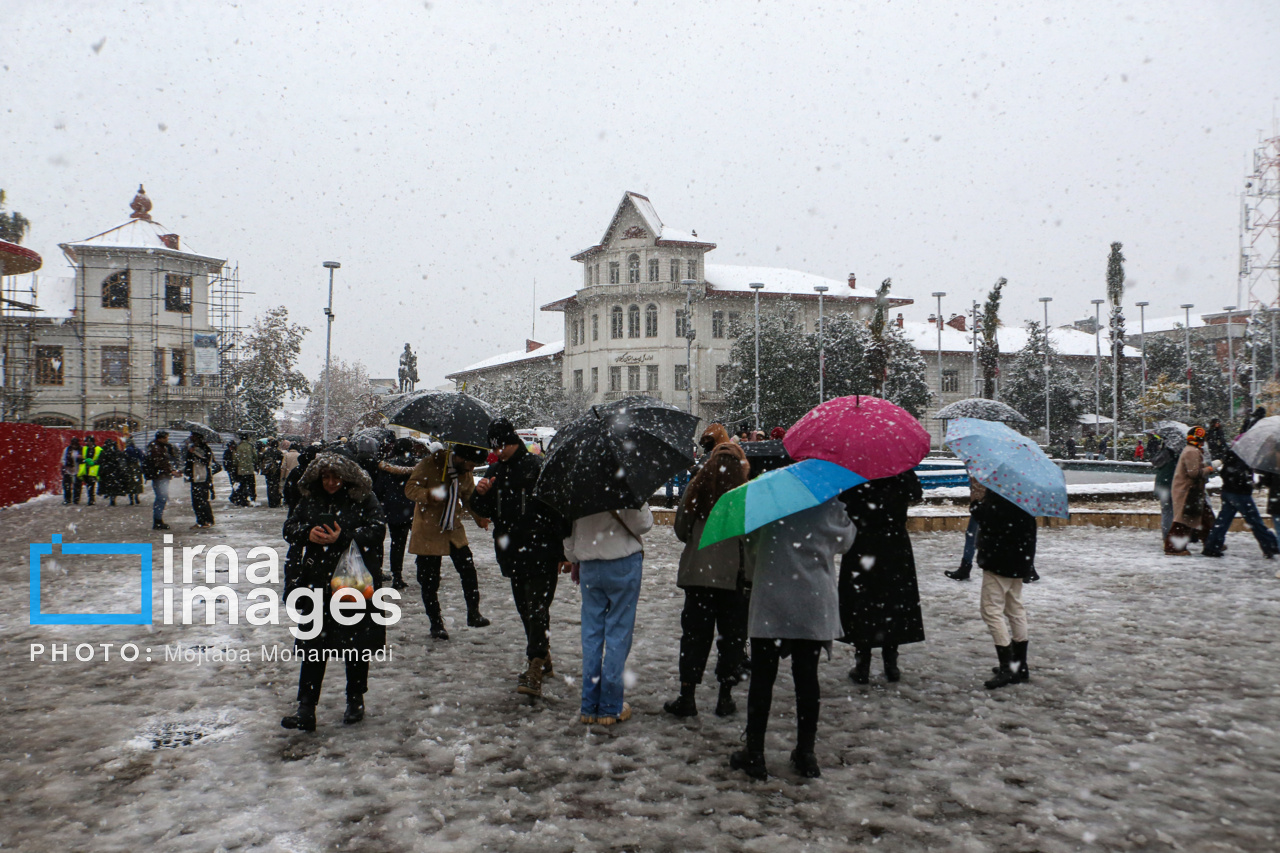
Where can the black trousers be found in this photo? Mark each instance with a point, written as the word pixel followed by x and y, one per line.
pixel 312 676
pixel 765 654
pixel 70 488
pixel 429 580
pixel 200 503
pixel 712 614
pixel 273 491
pixel 399 539
pixel 248 488
pixel 533 591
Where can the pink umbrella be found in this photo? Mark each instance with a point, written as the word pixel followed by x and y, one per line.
pixel 867 435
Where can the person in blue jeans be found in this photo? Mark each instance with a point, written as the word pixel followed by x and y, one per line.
pixel 605 553
pixel 976 492
pixel 1237 497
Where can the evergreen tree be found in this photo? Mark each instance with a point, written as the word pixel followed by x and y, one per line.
pixel 1164 399
pixel 532 395
pixel 1115 293
pixel 878 352
pixel 13 226
pixel 1166 355
pixel 1025 385
pixel 989 345
pixel 788 369
pixel 266 372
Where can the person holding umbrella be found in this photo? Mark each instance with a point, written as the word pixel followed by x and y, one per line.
pixel 1006 554
pixel 715 596
pixel 440 486
pixel 1237 498
pixel 528 540
pixel 879 596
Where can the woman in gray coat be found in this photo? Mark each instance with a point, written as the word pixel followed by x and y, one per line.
pixel 795 610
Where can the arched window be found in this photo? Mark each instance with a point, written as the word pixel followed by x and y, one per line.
pixel 615 322
pixel 633 321
pixel 633 269
pixel 115 290
pixel 651 321
pixel 653 269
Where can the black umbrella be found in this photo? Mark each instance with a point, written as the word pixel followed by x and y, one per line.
pixel 983 410
pixel 208 433
pixel 448 415
pixel 615 456
pixel 765 456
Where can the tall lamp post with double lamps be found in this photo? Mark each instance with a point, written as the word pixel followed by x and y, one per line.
pixel 328 339
pixel 822 354
pixel 1186 329
pixel 757 286
pixel 1142 342
pixel 1045 300
pixel 1231 367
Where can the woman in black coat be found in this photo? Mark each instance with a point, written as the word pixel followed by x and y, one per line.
pixel 388 485
pixel 1007 556
pixel 879 598
pixel 336 508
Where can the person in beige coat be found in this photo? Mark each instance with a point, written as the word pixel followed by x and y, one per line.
pixel 1192 516
pixel 441 486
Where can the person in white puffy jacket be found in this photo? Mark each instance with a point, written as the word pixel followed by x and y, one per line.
pixel 606 551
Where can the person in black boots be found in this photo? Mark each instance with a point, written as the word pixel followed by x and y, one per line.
pixel 879 597
pixel 1006 555
pixel 715 600
pixel 795 612
pixel 337 509
pixel 1237 498
pixel 440 486
pixel 388 486
pixel 269 464
pixel 199 471
pixel 528 540
pixel 71 472
pixel 161 468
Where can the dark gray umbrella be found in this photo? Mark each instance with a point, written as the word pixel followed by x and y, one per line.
pixel 615 456
pixel 983 410
pixel 447 415
pixel 1173 434
pixel 765 456
pixel 208 433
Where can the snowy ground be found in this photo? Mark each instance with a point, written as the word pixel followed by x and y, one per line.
pixel 1150 723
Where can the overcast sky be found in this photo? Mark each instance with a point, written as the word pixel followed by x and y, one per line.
pixel 451 154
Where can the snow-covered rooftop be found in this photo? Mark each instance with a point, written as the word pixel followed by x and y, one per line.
pixel 777 280
pixel 544 351
pixel 1011 338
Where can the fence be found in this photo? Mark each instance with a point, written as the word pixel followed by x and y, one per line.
pixel 31 459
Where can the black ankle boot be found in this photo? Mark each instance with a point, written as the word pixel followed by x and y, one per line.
pixel 960 574
pixel 355 710
pixel 751 759
pixel 725 706
pixel 304 718
pixel 1018 663
pixel 861 672
pixel 438 632
pixel 1004 674
pixel 891 671
pixel 683 705
pixel 398 583
pixel 805 763
pixel 475 620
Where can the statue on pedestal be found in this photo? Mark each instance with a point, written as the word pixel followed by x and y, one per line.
pixel 408 369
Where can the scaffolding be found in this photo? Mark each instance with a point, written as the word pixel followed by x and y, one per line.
pixel 225 297
pixel 17 345
pixel 1258 285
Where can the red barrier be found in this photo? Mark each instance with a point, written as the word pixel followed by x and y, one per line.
pixel 31 459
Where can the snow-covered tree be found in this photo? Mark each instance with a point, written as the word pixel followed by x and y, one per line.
pixel 989 344
pixel 1024 385
pixel 531 395
pixel 1163 399
pixel 1167 356
pixel 352 399
pixel 266 372
pixel 788 369
pixel 13 226
pixel 1115 293
pixel 878 351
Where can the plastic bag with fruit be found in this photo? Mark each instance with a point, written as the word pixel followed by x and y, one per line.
pixel 351 572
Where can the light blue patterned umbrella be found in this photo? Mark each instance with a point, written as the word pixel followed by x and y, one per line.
pixel 1011 465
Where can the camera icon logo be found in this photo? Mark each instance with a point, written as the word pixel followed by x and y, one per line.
pixel 141 549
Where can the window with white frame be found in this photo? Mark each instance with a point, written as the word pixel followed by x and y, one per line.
pixel 675 270
pixel 651 377
pixel 633 377
pixel 950 381
pixel 653 269
pixel 651 321
pixel 595 327
pixel 722 377
pixel 717 324
pixel 633 321
pixel 633 269
pixel 615 322
pixel 615 378
pixel 577 381
pixel 682 323
pixel 682 377
pixel 615 272
pixel 595 380
pixel 693 270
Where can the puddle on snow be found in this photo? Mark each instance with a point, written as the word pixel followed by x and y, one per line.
pixel 174 735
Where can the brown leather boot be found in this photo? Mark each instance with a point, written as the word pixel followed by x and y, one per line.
pixel 531 682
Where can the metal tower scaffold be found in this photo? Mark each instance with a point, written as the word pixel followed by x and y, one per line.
pixel 1260 229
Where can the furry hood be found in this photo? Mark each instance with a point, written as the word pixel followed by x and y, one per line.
pixel 716 434
pixel 359 486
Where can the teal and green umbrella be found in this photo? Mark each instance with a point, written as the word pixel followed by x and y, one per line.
pixel 774 495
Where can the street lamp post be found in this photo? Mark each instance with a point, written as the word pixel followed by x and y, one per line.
pixel 1097 363
pixel 1045 300
pixel 689 334
pixel 757 286
pixel 328 339
pixel 1142 340
pixel 938 294
pixel 822 355
pixel 1186 328
pixel 974 333
pixel 1231 367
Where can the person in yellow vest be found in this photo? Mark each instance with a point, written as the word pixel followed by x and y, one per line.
pixel 88 473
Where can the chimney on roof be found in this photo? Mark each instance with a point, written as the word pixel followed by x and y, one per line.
pixel 853 281
pixel 957 322
pixel 141 205
pixel 170 241
pixel 933 319
pixel 530 345
pixel 899 321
